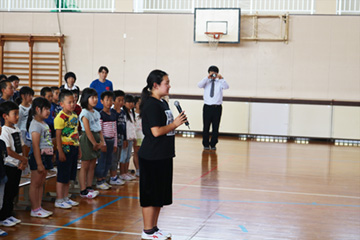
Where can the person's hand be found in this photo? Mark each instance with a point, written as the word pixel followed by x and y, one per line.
pixel 180 119
pixel 115 149
pixel 125 144
pixel 103 148
pixel 219 76
pixel 22 166
pixel 62 157
pixel 40 169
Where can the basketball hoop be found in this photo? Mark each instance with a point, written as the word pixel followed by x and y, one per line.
pixel 214 38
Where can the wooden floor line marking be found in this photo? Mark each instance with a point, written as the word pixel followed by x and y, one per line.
pixel 82 229
pixel 268 191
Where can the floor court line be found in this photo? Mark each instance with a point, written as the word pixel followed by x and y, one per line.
pixel 267 191
pixel 79 218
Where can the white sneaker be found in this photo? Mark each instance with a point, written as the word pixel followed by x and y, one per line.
pixel 48 212
pixel 125 177
pixel 116 181
pixel 90 195
pixel 137 173
pixel 14 220
pixel 71 202
pixel 155 235
pixel 95 192
pixel 165 234
pixel 3 233
pixel 7 223
pixel 108 185
pixel 40 213
pixel 102 186
pixel 62 204
pixel 131 176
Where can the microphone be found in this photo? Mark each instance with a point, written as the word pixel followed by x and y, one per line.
pixel 177 105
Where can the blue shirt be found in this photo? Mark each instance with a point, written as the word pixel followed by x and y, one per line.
pixel 101 87
pixel 93 118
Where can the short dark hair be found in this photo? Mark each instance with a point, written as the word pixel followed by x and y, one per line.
pixel 13 78
pixel 213 69
pixel 109 94
pixel 69 74
pixel 3 84
pixel 3 77
pixel 118 93
pixel 44 90
pixel 7 106
pixel 65 93
pixel 103 68
pixel 54 88
pixel 129 98
pixel 26 91
pixel 86 94
pixel 75 91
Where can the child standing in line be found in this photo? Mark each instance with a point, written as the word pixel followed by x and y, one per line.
pixel 109 130
pixel 131 136
pixel 46 93
pixel 7 91
pixel 67 141
pixel 55 106
pixel 139 134
pixel 90 142
pixel 41 154
pixel 3 177
pixel 15 82
pixel 121 135
pixel 15 162
pixel 26 94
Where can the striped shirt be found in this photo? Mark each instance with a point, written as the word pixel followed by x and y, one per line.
pixel 108 125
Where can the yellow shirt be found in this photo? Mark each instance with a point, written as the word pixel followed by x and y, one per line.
pixel 69 126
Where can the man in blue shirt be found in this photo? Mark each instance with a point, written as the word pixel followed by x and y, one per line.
pixel 101 85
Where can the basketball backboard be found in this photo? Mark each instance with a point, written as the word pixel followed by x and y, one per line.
pixel 224 20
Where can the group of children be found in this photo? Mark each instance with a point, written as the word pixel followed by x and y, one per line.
pixel 34 132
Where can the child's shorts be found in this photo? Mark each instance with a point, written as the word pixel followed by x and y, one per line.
pixel 66 171
pixel 87 151
pixel 46 160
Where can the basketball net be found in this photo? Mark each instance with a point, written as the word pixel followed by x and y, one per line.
pixel 214 39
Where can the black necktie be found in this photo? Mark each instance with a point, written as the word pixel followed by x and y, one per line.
pixel 212 88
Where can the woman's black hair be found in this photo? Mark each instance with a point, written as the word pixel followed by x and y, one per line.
pixel 86 94
pixel 129 98
pixel 69 74
pixel 39 102
pixel 156 76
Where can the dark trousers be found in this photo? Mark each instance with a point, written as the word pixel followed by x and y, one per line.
pixel 211 116
pixel 11 191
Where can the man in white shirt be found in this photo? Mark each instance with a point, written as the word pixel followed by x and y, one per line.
pixel 213 85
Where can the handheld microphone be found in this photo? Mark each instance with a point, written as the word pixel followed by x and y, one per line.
pixel 177 105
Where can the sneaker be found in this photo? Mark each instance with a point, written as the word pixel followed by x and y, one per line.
pixel 206 148
pixel 131 176
pixel 108 185
pixel 165 234
pixel 7 223
pixel 39 213
pixel 102 186
pixel 3 233
pixel 137 173
pixel 213 148
pixel 155 235
pixel 71 202
pixel 14 220
pixel 126 177
pixel 116 181
pixel 48 212
pixel 90 195
pixel 95 192
pixel 62 204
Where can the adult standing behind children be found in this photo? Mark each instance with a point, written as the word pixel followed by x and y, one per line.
pixel 101 85
pixel 156 152
pixel 213 85
pixel 70 79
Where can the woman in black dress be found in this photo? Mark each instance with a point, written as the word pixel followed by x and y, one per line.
pixel 156 152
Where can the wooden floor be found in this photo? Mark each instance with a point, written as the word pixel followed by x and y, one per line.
pixel 245 190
